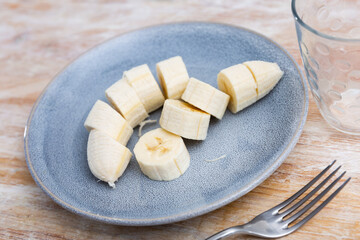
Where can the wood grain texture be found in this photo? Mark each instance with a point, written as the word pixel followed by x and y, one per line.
pixel 39 38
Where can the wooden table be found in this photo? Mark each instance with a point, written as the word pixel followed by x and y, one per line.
pixel 39 38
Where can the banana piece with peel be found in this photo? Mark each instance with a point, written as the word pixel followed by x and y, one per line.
pixel 183 119
pixel 125 100
pixel 206 97
pixel 162 155
pixel 248 82
pixel 143 82
pixel 104 118
pixel 173 77
pixel 107 158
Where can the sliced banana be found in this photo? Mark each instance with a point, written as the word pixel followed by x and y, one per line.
pixel 173 76
pixel 143 82
pixel 185 120
pixel 107 158
pixel 162 155
pixel 266 74
pixel 104 118
pixel 238 82
pixel 206 97
pixel 125 100
pixel 248 82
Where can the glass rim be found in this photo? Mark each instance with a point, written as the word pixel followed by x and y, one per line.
pixel 311 29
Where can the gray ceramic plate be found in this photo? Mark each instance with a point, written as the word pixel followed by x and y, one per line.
pixel 256 140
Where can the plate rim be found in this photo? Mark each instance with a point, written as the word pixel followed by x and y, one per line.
pixel 197 211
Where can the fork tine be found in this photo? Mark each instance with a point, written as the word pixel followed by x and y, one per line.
pixel 315 200
pixel 318 209
pixel 301 191
pixel 309 195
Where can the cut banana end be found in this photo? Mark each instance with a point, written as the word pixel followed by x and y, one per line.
pixel 107 158
pixel 238 82
pixel 173 76
pixel 206 97
pixel 125 100
pixel 104 118
pixel 146 87
pixel 185 120
pixel 162 155
pixel 266 74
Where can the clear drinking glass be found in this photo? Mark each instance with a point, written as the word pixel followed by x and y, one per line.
pixel 329 38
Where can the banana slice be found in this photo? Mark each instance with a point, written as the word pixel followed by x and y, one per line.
pixel 104 118
pixel 266 74
pixel 185 120
pixel 173 77
pixel 107 158
pixel 206 97
pixel 248 82
pixel 143 82
pixel 238 82
pixel 162 155
pixel 125 100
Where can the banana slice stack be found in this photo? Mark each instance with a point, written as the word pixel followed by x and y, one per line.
pixel 161 153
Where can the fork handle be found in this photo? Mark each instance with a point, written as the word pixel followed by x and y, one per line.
pixel 231 231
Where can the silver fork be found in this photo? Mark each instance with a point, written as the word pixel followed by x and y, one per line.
pixel 271 223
